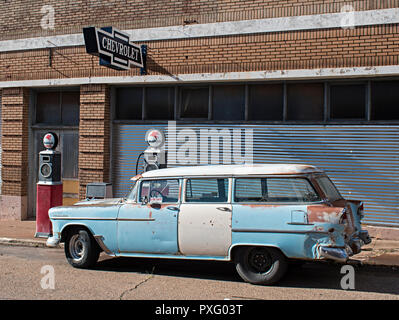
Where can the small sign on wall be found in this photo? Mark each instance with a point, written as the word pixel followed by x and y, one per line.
pixel 114 48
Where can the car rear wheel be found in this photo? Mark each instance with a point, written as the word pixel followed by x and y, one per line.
pixel 260 265
pixel 81 250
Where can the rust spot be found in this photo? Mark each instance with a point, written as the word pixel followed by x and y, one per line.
pixel 324 214
pixel 261 205
pixel 137 177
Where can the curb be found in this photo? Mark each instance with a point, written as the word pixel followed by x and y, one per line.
pixel 26 243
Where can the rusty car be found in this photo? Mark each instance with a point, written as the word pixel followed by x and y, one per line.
pixel 258 216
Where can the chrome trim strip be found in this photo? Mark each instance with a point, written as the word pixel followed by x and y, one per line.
pixel 280 231
pixel 81 218
pixel 100 242
pixel 126 219
pixel 99 219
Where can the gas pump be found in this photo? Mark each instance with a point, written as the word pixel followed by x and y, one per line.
pixel 155 156
pixel 49 187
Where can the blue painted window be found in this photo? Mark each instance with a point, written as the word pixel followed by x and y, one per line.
pixel 274 190
pixel 207 190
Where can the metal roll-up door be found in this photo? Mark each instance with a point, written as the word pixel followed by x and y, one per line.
pixel 128 142
pixel 1 147
pixel 363 161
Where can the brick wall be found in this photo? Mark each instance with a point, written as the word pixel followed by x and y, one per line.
pixel 363 46
pixel 21 19
pixel 15 141
pixel 94 136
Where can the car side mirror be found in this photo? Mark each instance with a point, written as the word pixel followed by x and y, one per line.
pixel 144 200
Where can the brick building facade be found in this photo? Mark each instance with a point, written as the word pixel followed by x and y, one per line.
pixel 297 46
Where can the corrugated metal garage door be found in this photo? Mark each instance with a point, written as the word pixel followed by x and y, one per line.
pixel 1 148
pixel 363 161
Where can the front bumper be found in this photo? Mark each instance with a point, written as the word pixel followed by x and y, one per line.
pixel 53 241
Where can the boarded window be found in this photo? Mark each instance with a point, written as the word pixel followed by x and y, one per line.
pixel 228 102
pixel 70 108
pixel 194 102
pixel 265 102
pixel 207 190
pixel 48 108
pixel 347 102
pixel 305 101
pixel 159 103
pixel 129 103
pixel 57 108
pixel 385 100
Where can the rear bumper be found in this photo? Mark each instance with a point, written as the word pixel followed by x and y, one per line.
pixel 336 254
pixel 352 247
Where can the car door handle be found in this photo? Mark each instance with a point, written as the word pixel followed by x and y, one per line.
pixel 224 209
pixel 173 208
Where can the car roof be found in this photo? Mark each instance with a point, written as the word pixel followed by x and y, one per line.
pixel 232 170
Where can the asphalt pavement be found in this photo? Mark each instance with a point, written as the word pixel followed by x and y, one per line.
pixel 24 274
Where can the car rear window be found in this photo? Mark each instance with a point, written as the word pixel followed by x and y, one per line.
pixel 274 190
pixel 328 188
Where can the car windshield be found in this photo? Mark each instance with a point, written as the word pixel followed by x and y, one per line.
pixel 132 192
pixel 328 188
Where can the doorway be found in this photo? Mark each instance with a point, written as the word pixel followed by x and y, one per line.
pixel 58 112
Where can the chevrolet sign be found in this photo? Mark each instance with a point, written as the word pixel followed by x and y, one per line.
pixel 113 47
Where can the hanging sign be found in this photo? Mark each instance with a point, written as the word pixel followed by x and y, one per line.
pixel 113 47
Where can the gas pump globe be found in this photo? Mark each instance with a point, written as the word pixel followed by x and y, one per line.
pixel 155 154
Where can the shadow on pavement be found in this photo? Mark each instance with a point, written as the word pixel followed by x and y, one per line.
pixel 316 275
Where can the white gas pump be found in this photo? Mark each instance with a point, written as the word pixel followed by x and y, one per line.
pixel 155 156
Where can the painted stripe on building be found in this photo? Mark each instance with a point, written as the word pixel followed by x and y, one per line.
pixel 300 74
pixel 309 22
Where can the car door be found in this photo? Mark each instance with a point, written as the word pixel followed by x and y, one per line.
pixel 272 211
pixel 205 217
pixel 150 224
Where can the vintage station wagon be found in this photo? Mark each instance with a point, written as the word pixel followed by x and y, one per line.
pixel 257 216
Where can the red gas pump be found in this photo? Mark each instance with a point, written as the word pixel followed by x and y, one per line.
pixel 49 187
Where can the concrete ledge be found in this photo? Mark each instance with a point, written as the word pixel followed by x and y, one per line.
pixel 13 207
pixel 25 243
pixel 384 233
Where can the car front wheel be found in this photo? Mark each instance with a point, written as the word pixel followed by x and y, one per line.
pixel 81 250
pixel 260 265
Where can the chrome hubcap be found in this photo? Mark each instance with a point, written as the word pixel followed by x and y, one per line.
pixel 77 247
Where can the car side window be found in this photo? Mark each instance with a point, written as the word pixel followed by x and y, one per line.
pixel 274 190
pixel 207 190
pixel 163 191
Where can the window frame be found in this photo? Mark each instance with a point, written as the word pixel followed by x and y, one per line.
pixel 229 188
pixel 139 190
pixel 367 101
pixel 327 120
pixel 178 108
pixel 60 91
pixel 282 203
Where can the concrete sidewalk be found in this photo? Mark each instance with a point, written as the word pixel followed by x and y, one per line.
pixel 382 251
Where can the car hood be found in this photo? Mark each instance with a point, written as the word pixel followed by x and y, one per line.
pixel 98 202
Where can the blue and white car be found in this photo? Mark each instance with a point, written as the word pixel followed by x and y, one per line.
pixel 258 216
